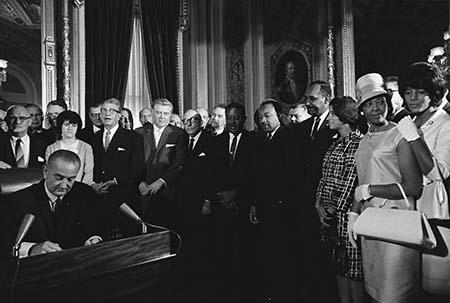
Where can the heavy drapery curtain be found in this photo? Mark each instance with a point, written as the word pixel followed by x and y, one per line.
pixel 159 27
pixel 137 95
pixel 109 25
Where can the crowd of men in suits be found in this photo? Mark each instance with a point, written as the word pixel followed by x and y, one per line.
pixel 243 201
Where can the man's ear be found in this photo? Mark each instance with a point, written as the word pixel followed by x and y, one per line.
pixel 44 170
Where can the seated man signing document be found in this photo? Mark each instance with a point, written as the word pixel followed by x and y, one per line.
pixel 65 210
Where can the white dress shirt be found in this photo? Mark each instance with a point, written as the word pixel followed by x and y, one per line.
pixel 157 132
pixel 112 132
pixel 25 147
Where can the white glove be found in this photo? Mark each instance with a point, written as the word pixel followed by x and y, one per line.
pixel 408 129
pixel 352 235
pixel 362 193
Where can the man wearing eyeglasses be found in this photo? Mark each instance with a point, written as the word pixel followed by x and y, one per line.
pixel 164 152
pixel 17 149
pixel 118 158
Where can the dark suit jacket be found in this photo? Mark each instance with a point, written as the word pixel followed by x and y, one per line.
pixel 87 134
pixel 242 173
pixel 165 160
pixel 195 183
pixel 72 224
pixel 37 152
pixel 123 160
pixel 312 151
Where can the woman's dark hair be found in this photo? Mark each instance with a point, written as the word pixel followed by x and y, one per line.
pixel 422 75
pixel 345 109
pixel 130 116
pixel 70 116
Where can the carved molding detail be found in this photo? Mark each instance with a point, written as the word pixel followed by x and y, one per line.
pixel 290 44
pixel 66 54
pixel 78 3
pixel 330 60
pixel 235 36
pixel 184 21
pixel 348 49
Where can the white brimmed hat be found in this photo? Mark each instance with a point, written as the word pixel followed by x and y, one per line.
pixel 369 86
pixel 3 63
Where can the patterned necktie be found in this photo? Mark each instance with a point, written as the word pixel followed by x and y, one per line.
pixel 107 139
pixel 20 158
pixel 233 149
pixel 315 126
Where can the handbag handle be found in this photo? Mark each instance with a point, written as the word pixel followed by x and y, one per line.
pixel 404 195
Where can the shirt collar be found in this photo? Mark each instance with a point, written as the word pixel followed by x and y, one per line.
pixel 112 130
pixel 25 139
pixel 51 196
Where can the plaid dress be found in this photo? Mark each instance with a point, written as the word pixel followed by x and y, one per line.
pixel 335 193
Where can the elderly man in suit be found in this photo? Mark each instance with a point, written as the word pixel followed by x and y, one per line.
pixel 17 148
pixel 194 196
pixel 65 210
pixel 164 151
pixel 119 159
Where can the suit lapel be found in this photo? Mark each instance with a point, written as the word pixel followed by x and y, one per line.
pixel 44 205
pixel 163 139
pixel 115 140
pixel 240 146
pixel 10 152
pixel 33 153
pixel 149 141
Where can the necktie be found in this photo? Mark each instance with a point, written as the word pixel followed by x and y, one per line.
pixel 56 204
pixel 315 126
pixel 233 149
pixel 107 139
pixel 191 144
pixel 20 158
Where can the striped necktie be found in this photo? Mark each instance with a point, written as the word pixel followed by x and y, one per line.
pixel 20 157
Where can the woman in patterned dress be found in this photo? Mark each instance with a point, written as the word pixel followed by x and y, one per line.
pixel 383 159
pixel 335 195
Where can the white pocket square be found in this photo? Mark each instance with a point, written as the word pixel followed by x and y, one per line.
pixel 170 145
pixel 202 155
pixel 40 159
pixel 120 149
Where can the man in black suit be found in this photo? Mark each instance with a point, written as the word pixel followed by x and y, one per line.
pixel 194 197
pixel 270 209
pixel 311 139
pixel 17 148
pixel 164 150
pixel 54 108
pixel 64 210
pixel 119 159
pixel 88 132
pixel 235 161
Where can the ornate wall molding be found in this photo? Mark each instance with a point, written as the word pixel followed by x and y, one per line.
pixel 235 37
pixel 347 59
pixel 330 60
pixel 66 53
pixel 48 67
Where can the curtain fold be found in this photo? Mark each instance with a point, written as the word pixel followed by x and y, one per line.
pixel 109 25
pixel 159 27
pixel 137 95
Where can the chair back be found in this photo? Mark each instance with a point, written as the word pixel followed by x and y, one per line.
pixel 14 179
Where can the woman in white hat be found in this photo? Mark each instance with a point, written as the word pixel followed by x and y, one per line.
pixel 383 159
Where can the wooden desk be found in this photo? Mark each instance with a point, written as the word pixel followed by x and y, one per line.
pixel 108 272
